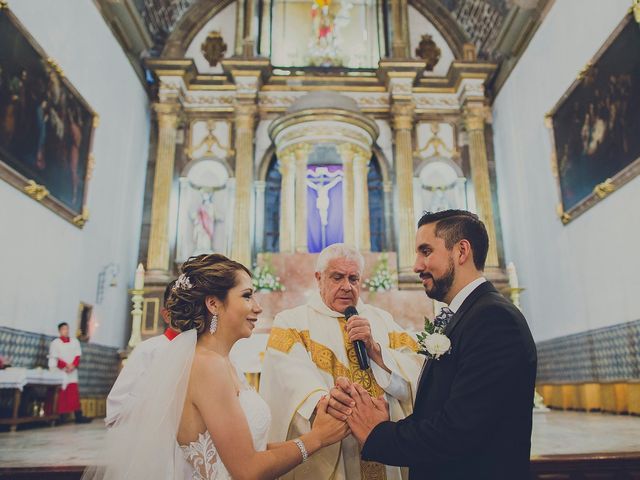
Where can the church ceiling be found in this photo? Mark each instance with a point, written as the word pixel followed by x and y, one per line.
pixel 161 16
pixel 480 20
pixel 499 29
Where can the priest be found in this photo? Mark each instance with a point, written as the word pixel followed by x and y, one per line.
pixel 312 345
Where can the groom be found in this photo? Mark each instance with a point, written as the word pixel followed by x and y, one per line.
pixel 473 407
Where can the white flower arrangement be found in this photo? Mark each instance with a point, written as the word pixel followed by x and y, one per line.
pixel 382 279
pixel 264 279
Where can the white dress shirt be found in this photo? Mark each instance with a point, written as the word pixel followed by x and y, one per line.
pixel 464 293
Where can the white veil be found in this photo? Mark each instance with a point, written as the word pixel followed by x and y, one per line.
pixel 143 445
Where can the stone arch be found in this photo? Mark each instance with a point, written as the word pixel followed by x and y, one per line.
pixel 442 20
pixel 265 162
pixel 223 161
pixel 193 20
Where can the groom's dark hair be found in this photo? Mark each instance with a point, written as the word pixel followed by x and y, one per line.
pixel 455 225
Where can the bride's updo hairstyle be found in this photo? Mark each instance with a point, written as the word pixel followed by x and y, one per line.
pixel 202 276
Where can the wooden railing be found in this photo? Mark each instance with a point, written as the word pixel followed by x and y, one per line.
pixel 623 397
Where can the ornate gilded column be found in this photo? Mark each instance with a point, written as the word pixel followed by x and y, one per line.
pixel 302 151
pixel 158 250
pixel 473 117
pixel 402 115
pixel 239 34
pixel 347 153
pixel 399 45
pixel 244 122
pixel 361 199
pixel 286 158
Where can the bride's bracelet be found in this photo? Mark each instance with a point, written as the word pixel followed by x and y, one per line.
pixel 303 450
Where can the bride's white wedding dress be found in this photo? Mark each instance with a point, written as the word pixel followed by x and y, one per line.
pixel 202 455
pixel 143 445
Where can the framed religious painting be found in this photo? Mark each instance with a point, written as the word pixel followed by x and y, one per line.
pixel 46 127
pixel 595 126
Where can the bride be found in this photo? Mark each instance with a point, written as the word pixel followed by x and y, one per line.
pixel 196 417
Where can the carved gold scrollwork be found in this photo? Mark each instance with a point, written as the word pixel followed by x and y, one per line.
pixel 55 66
pixel 96 120
pixel 604 189
pixel 35 191
pixel 562 215
pixel 90 165
pixel 3 4
pixel 585 70
pixel 636 10
pixel 439 146
pixel 213 48
pixel 210 141
pixel 428 51
pixel 80 220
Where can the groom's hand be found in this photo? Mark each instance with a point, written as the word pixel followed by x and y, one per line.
pixel 340 403
pixel 366 414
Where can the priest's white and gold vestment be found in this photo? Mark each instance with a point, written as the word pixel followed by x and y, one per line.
pixel 308 349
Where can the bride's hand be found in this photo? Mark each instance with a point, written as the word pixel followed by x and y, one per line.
pixel 328 429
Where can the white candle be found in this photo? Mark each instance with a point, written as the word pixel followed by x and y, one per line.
pixel 513 276
pixel 138 283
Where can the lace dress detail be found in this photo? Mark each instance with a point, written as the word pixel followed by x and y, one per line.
pixel 202 455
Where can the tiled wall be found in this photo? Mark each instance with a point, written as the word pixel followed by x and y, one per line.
pixel 98 365
pixel 610 354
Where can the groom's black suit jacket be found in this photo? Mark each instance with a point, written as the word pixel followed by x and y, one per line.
pixel 473 408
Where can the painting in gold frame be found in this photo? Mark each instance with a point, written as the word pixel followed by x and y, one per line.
pixel 46 127
pixel 594 126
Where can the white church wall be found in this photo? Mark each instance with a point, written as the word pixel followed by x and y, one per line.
pixel 49 265
pixel 583 275
pixel 225 23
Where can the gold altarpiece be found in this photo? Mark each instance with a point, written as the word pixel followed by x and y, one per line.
pixel 382 106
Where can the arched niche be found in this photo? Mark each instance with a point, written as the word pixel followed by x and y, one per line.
pixel 439 184
pixel 442 20
pixel 205 203
pixel 190 24
pixel 379 200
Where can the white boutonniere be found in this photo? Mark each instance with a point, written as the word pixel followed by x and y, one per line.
pixel 432 341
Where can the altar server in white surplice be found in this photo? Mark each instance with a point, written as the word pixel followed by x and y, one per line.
pixel 312 345
pixel 64 356
pixel 123 392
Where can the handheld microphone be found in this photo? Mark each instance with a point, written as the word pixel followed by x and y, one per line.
pixel 361 351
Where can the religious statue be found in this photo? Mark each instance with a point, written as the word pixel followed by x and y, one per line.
pixel 203 222
pixel 321 180
pixel 324 42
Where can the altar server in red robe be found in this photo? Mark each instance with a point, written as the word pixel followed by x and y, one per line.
pixel 64 355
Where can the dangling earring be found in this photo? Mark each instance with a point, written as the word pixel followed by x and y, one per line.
pixel 213 326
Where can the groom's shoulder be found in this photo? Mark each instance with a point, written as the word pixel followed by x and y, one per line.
pixel 494 304
pixel 493 311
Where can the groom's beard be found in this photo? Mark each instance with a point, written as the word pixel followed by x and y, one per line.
pixel 442 285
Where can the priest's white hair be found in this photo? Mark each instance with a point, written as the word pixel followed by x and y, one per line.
pixel 339 250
